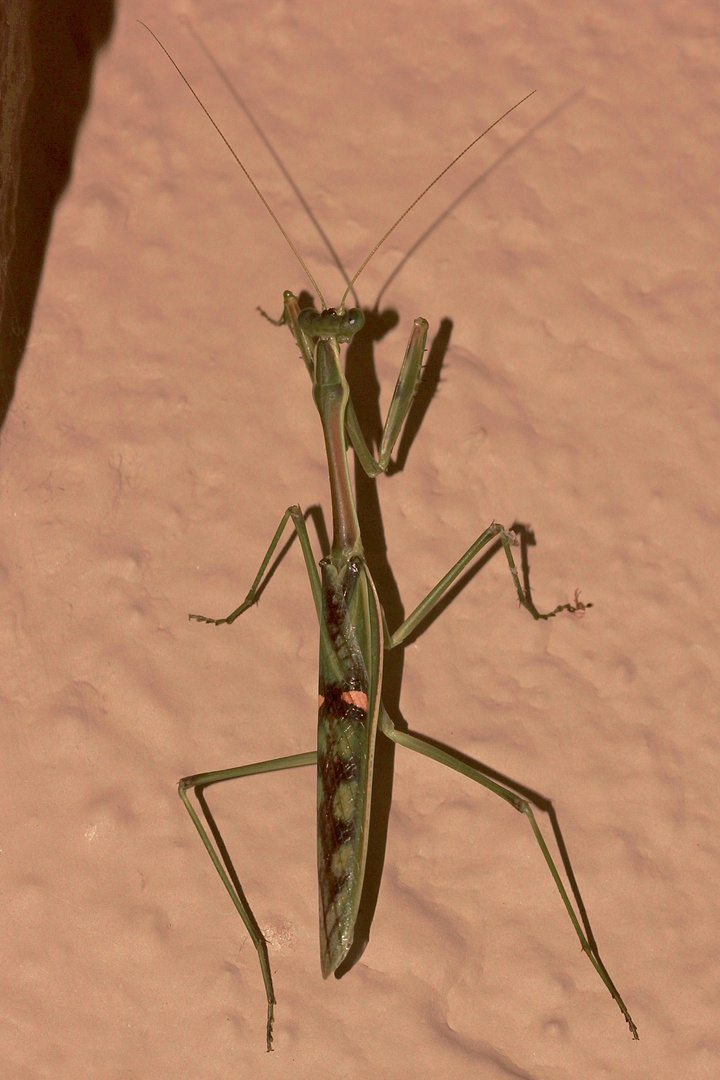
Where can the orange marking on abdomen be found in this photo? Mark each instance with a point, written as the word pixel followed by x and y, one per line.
pixel 350 697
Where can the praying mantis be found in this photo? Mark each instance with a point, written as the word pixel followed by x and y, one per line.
pixel 354 634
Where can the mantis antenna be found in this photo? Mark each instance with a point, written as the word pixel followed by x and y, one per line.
pixel 425 190
pixel 272 213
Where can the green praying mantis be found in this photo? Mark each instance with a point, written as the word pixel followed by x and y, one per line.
pixel 354 635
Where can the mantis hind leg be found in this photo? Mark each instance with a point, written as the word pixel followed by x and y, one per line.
pixel 459 764
pixel 197 783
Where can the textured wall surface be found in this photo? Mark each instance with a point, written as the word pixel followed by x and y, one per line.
pixel 159 430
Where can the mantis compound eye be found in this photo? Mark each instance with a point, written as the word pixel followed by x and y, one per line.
pixel 349 323
pixel 340 325
pixel 354 321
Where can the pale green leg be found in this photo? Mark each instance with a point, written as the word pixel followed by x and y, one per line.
pixel 402 399
pixel 289 317
pixel 413 742
pixel 203 780
pixel 507 539
pixel 295 513
pixel 423 609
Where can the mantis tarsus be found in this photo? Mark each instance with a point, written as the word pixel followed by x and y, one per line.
pixel 354 636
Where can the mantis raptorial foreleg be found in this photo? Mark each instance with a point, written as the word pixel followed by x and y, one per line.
pixel 405 387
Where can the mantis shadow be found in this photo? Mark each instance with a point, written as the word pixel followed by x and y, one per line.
pixel 365 389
